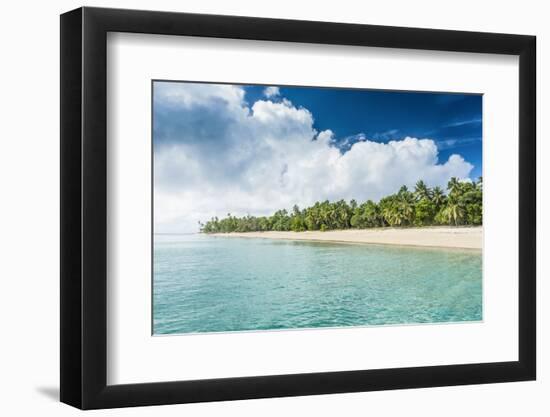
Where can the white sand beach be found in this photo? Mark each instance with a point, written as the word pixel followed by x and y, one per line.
pixel 443 237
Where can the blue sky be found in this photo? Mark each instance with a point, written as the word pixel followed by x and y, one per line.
pixel 222 148
pixel 453 121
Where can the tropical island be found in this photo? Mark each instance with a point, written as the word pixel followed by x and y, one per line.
pixel 311 209
pixel 409 217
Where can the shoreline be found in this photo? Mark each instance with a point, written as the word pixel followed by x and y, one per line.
pixel 431 236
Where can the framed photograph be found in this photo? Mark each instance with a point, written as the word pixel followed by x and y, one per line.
pixel 258 208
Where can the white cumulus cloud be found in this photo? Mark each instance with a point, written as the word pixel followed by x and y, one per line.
pixel 215 155
pixel 272 91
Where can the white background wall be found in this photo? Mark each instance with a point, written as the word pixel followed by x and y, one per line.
pixel 29 226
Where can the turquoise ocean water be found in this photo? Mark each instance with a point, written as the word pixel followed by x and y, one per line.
pixel 218 284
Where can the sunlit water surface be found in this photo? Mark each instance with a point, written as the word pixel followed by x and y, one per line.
pixel 218 284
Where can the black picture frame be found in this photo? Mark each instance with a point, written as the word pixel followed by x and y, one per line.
pixel 84 207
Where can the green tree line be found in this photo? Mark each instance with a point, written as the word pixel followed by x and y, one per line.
pixel 461 204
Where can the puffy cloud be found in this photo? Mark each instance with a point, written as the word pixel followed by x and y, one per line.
pixel 272 91
pixel 214 154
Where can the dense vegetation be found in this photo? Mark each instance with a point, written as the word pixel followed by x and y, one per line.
pixel 460 205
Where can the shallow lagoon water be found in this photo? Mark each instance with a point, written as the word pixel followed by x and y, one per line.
pixel 204 283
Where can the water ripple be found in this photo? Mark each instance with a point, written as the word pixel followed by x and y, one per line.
pixel 204 284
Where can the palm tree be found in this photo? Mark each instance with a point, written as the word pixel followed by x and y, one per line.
pixel 438 197
pixel 371 214
pixel 479 183
pixel 406 212
pixel 453 185
pixel 454 212
pixel 389 213
pixel 421 191
pixel 424 206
